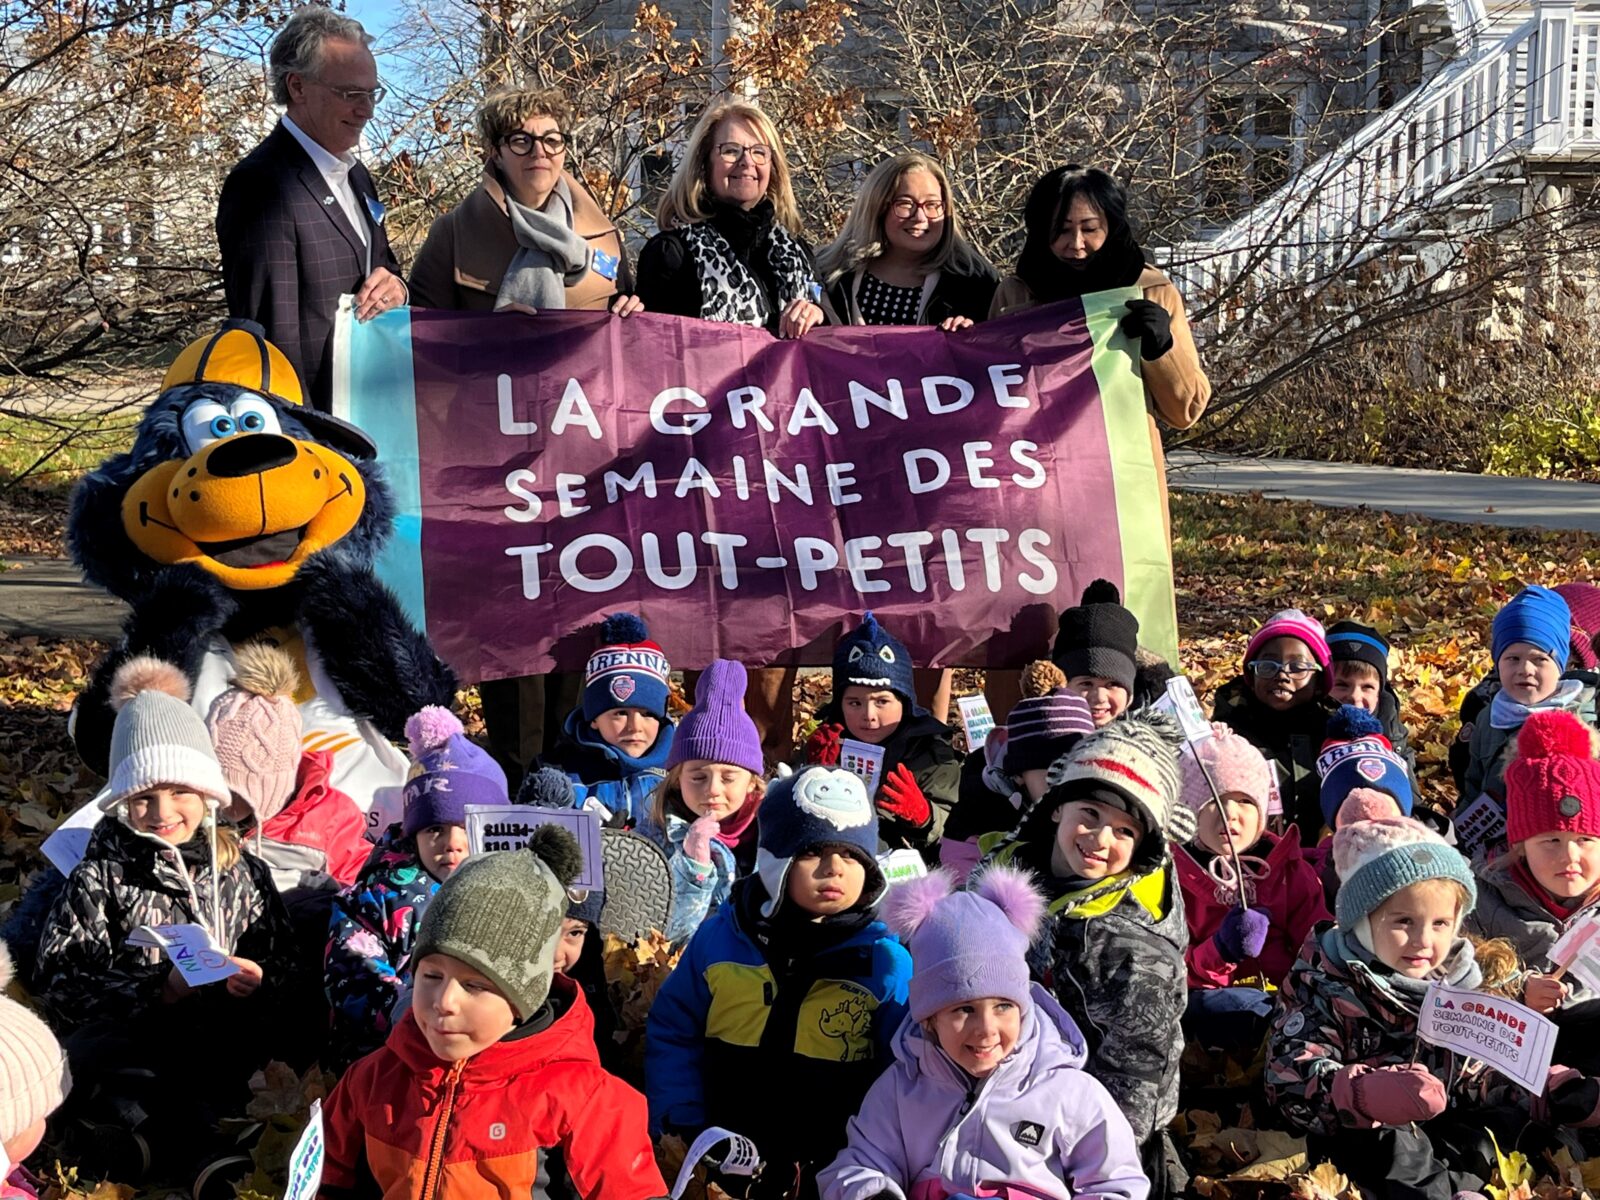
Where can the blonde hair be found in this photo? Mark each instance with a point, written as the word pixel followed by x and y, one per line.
pixel 861 239
pixel 227 835
pixel 667 800
pixel 505 109
pixel 687 199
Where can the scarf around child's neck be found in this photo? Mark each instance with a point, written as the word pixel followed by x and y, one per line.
pixel 1506 713
pixel 736 824
pixel 1561 910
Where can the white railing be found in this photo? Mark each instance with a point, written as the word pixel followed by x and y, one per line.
pixel 1534 92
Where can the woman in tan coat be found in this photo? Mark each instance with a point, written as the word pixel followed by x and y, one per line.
pixel 1079 241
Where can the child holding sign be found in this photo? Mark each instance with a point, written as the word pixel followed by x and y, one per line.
pixel 1345 1064
pixel 874 701
pixel 160 858
pixel 988 1093
pixel 704 811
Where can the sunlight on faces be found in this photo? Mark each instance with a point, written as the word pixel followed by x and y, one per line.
pixel 1035 782
pixel 1080 232
pixel 1243 820
pixel 743 182
pixel 631 730
pixel 916 235
pixel 532 176
pixel 1094 840
pixel 1567 865
pixel 569 946
pixel 26 1142
pixel 171 814
pixel 978 1035
pixel 442 848
pixel 871 714
pixel 826 880
pixel 1413 930
pixel 1527 673
pixel 1282 691
pixel 1352 685
pixel 458 1010
pixel 1107 699
pixel 331 122
pixel 714 789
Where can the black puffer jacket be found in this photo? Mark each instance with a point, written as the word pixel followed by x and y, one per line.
pixel 1290 740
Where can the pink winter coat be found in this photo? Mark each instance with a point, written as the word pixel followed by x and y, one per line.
pixel 1287 888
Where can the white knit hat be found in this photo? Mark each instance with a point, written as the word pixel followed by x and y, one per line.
pixel 158 738
pixel 34 1079
pixel 1137 755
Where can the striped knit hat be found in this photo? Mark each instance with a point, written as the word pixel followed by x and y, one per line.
pixel 1137 757
pixel 158 739
pixel 1046 722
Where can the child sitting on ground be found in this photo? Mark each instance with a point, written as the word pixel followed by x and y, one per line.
pixel 793 979
pixel 1359 670
pixel 162 858
pixel 1345 1066
pixel 1531 643
pixel 987 1094
pixel 1114 944
pixel 1238 956
pixel 704 811
pixel 1007 776
pixel 1280 704
pixel 1363 779
pixel 1097 648
pixel 874 701
pixel 367 965
pixel 495 1063
pixel 614 745
pixel 34 1080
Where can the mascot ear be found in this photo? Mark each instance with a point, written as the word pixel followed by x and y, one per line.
pixel 95 537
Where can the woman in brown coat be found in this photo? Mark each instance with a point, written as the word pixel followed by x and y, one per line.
pixel 1079 241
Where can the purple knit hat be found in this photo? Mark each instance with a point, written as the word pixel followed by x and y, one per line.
pixel 450 772
pixel 1291 622
pixel 967 945
pixel 717 729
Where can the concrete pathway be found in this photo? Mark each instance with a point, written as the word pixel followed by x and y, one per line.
pixel 46 597
pixel 1445 495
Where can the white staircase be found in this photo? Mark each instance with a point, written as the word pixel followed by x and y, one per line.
pixel 1504 102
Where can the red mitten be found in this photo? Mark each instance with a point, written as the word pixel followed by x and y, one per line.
pixel 1389 1095
pixel 899 796
pixel 822 747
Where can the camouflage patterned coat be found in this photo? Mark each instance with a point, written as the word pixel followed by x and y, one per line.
pixel 1339 1007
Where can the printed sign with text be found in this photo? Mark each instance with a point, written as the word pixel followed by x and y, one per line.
pixel 492 827
pixel 1510 1037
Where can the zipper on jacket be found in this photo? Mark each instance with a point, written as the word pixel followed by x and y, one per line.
pixel 972 1097
pixel 434 1170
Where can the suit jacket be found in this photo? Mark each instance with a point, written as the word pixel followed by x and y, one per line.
pixel 289 252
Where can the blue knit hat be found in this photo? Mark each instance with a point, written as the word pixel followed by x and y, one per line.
pixel 628 671
pixel 870 656
pixel 1538 616
pixel 450 771
pixel 817 806
pixel 717 729
pixel 1356 754
pixel 1376 859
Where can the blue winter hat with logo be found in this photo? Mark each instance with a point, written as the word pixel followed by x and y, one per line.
pixel 628 671
pixel 818 806
pixel 870 656
pixel 1538 616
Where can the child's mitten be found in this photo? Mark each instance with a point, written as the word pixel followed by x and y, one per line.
pixel 1388 1095
pixel 697 842
pixel 900 796
pixel 1570 1098
pixel 822 747
pixel 1242 935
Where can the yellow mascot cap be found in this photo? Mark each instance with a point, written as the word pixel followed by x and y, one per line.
pixel 240 354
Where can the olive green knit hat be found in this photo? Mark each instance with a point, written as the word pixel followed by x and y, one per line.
pixel 501 913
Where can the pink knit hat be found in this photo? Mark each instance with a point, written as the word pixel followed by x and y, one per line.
pixel 1234 766
pixel 1583 601
pixel 1553 783
pixel 255 726
pixel 1291 622
pixel 34 1078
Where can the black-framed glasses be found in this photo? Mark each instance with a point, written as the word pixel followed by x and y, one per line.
pixel 906 207
pixel 353 95
pixel 521 144
pixel 732 152
pixel 1270 668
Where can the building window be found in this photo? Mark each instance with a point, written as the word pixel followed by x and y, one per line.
pixel 1251 147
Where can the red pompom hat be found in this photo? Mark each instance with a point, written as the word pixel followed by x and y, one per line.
pixel 1553 784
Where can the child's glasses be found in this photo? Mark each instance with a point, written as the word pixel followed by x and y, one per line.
pixel 1269 668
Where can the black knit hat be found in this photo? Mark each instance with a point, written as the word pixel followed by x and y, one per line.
pixel 1099 637
pixel 1350 642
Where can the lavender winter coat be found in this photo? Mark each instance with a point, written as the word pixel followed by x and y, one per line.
pixel 1037 1127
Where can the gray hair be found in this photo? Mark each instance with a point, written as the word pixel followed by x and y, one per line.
pixel 297 50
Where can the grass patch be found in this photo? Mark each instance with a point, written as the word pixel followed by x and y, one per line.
pixel 49 454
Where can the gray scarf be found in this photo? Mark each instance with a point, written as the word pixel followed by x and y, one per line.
pixel 550 256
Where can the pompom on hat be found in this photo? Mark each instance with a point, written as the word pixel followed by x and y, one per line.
pixel 255 727
pixel 450 772
pixel 34 1077
pixel 1235 766
pixel 1553 782
pixel 158 739
pixel 1356 754
pixel 967 945
pixel 1098 636
pixel 628 671
pixel 1046 722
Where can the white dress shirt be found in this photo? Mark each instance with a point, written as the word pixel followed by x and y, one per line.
pixel 335 171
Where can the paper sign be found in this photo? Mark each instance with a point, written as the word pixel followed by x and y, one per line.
pixel 1481 823
pixel 66 847
pixel 977 719
pixel 305 1167
pixel 898 866
pixel 1180 700
pixel 863 760
pixel 742 1157
pixel 190 949
pixel 1578 951
pixel 493 827
pixel 1510 1037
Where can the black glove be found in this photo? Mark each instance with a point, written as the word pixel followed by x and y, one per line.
pixel 1151 326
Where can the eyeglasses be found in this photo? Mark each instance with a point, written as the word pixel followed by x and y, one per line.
pixel 732 152
pixel 521 144
pixel 904 207
pixel 352 95
pixel 1269 668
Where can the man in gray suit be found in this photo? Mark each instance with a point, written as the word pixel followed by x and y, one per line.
pixel 299 222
